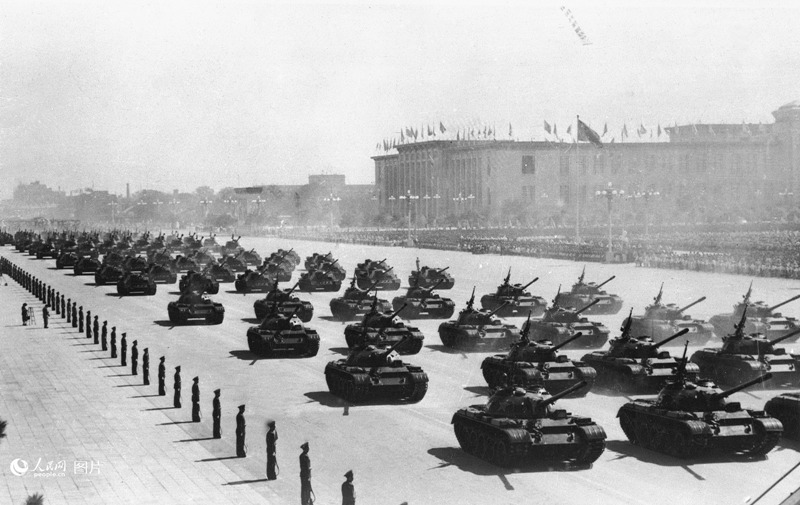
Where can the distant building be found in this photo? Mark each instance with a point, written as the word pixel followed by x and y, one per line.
pixel 704 172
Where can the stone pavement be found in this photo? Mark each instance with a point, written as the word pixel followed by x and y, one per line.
pixel 106 437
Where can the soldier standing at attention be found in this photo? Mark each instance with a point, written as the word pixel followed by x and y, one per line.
pixel 45 315
pixel 63 307
pixel 80 318
pixel 88 324
pixel 74 314
pixel 135 358
pixel 146 367
pixel 305 477
pixel 58 303
pixel 216 414
pixel 272 461
pixel 68 311
pixel 196 400
pixel 348 491
pixel 113 341
pixel 124 350
pixel 162 376
pixel 25 315
pixel 104 336
pixel 96 331
pixel 176 401
pixel 241 448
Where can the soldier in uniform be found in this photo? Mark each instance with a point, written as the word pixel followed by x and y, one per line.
pixel 176 401
pixel 305 477
pixel 196 400
pixel 135 358
pixel 348 491
pixel 104 336
pixel 146 366
pixel 69 310
pixel 88 324
pixel 113 341
pixel 80 318
pixel 63 307
pixel 272 461
pixel 45 315
pixel 75 314
pixel 216 414
pixel 124 350
pixel 58 303
pixel 162 376
pixel 241 449
pixel 96 330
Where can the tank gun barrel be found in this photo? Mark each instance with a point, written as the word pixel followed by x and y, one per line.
pixel 594 302
pixel 784 337
pixel 567 341
pixel 606 281
pixel 758 380
pixel 371 286
pixel 566 392
pixel 293 288
pixel 671 338
pixel 397 344
pixel 495 311
pixel 440 270
pixel 528 284
pixel 696 302
pixel 398 311
pixel 328 268
pixel 784 303
pixel 430 289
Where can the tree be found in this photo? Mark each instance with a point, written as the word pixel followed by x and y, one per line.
pixel 204 192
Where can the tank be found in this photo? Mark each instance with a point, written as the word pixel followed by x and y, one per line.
pixel 426 277
pixel 193 305
pixel 161 273
pixel 233 263
pixel 281 262
pixel 323 279
pixel 371 373
pixel 211 244
pixel 221 273
pixel 519 427
pixel 762 319
pixel 475 328
pixel 232 245
pixel 370 271
pixel 135 264
pixel 537 364
pixel 66 259
pixel 251 258
pixel 660 321
pixel 745 356
pixel 136 283
pixel 689 419
pixel 637 365
pixel 280 334
pixel 356 302
pixel 287 304
pixel 86 265
pixel 583 293
pixel 326 262
pixel 199 282
pixel 289 255
pixel 108 274
pixel 314 261
pixel 559 324
pixel 184 264
pixel 45 250
pixel 254 280
pixel 422 303
pixel 515 300
pixel 786 409
pixel 203 258
pixel 383 328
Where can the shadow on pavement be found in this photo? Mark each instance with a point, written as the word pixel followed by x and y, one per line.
pixel 246 355
pixel 165 323
pixel 237 482
pixel 110 366
pixel 626 449
pixel 327 399
pixel 146 396
pixel 196 439
pixel 122 375
pixel 160 408
pixel 454 456
pixel 216 459
pixel 128 385
pixel 175 422
pixel 450 350
pixel 251 320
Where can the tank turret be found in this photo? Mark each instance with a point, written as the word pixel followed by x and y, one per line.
pixel 582 293
pixel 761 317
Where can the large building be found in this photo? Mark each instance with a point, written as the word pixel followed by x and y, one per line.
pixel 705 172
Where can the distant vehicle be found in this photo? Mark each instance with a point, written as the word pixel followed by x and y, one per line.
pixel 426 277
pixel 583 293
pixel 660 321
pixel 193 305
pixel 515 300
pixel 280 334
pixel 136 283
pixel 474 328
pixel 762 319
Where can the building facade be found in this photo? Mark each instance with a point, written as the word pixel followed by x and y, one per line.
pixel 705 172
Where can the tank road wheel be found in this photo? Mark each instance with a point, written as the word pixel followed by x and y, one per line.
pixel 502 455
pixel 251 343
pixel 681 444
pixel 765 441
pixel 628 426
pixel 490 452
pixel 642 434
pixel 332 384
pixel 592 449
pixel 312 347
pixel 416 346
pixel 474 442
pixel 462 435
pixel 418 391
pixel 98 281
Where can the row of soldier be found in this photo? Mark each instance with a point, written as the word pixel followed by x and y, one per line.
pixel 74 314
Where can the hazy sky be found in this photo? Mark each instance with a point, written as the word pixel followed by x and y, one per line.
pixel 176 95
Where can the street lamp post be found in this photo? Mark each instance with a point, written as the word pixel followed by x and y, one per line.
pixel 609 193
pixel 332 200
pixel 392 199
pixel 408 197
pixel 647 195
pixel 205 202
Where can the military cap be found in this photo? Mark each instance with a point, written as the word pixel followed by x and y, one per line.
pixel 349 474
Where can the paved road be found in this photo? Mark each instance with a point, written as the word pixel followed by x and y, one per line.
pixel 408 452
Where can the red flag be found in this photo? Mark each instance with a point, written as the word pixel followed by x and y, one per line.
pixel 441 127
pixel 547 127
pixel 586 134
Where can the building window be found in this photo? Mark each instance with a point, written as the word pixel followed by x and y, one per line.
pixel 564 166
pixel 528 165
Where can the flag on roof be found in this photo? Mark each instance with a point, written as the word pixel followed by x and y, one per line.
pixel 586 134
pixel 547 127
